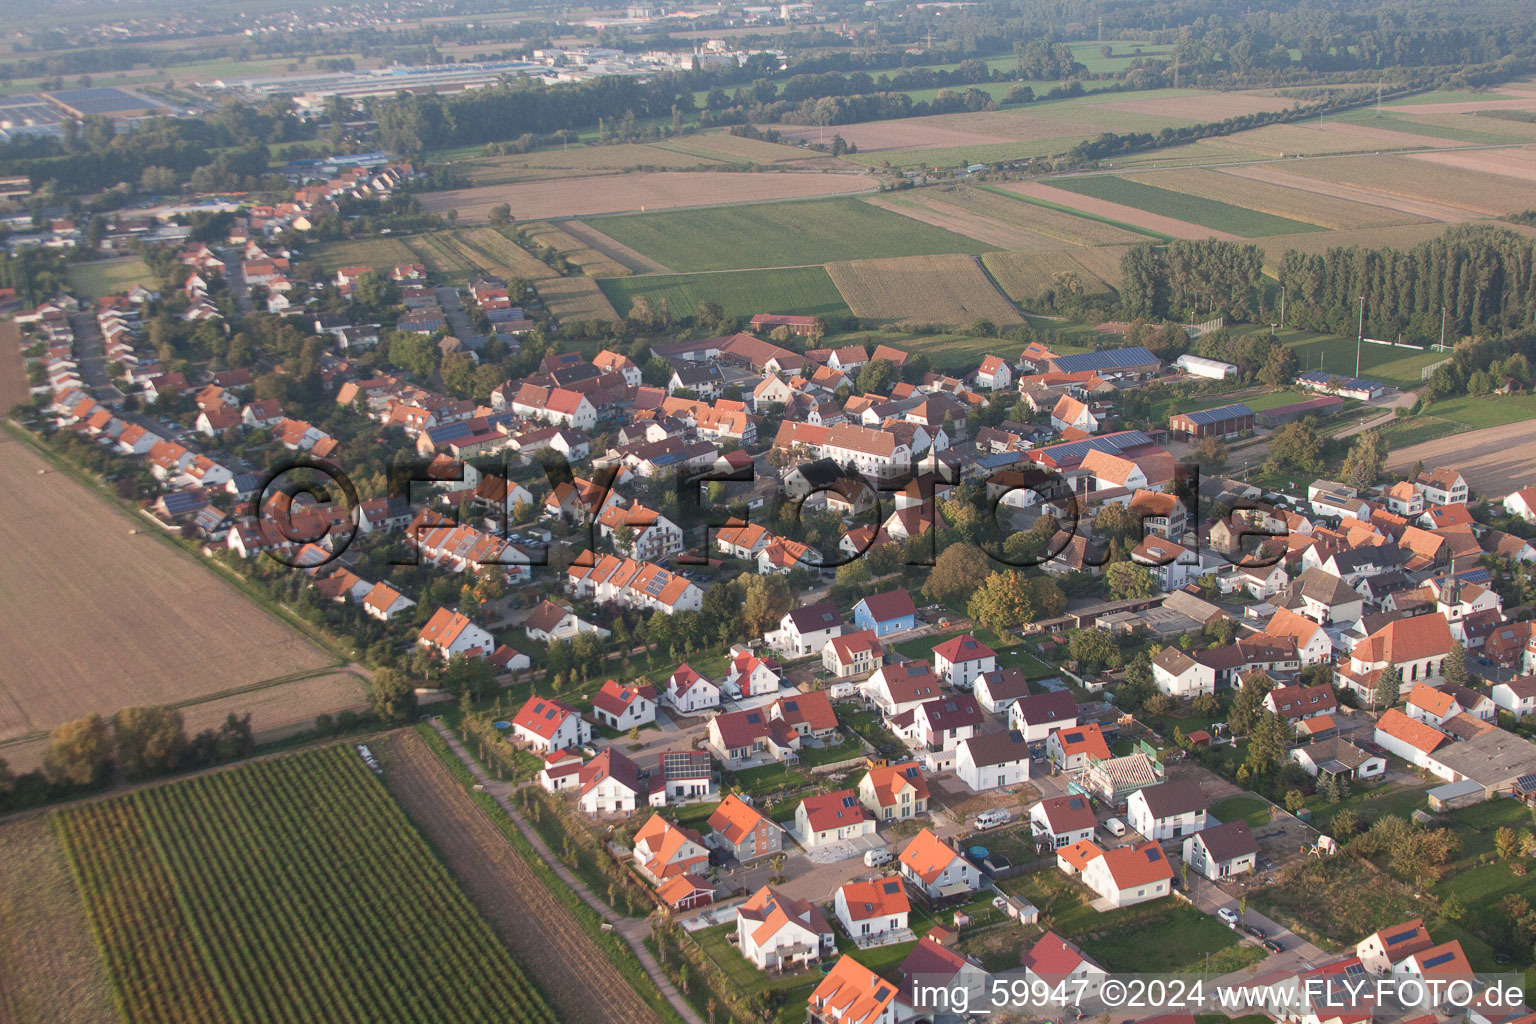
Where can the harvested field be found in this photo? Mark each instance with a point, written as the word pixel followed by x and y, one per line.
pixel 1400 236
pixel 1523 101
pixel 631 261
pixel 1416 181
pixel 1202 107
pixel 1495 460
pixel 688 152
pixel 1115 211
pixel 803 290
pixel 575 298
pixel 441 255
pixel 13 372
pixel 1025 276
pixel 269 706
pixel 86 638
pixel 780 235
pixel 379 253
pixel 1002 220
pixel 575 251
pixel 1510 163
pixel 922 289
pixel 50 972
pixel 1353 193
pixel 736 149
pixel 578 980
pixel 1477 125
pixel 902 133
pixel 620 193
pixel 1324 211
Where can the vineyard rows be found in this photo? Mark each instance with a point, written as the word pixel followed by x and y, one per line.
pixel 293 890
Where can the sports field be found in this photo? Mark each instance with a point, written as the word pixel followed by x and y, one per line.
pixel 110 277
pixel 1194 209
pixel 1332 354
pixel 780 235
pixel 803 290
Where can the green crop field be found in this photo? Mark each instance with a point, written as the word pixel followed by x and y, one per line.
pixel 804 290
pixel 786 234
pixel 1209 213
pixel 1332 354
pixel 292 889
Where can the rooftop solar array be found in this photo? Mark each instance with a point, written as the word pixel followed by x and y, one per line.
pixel 1218 415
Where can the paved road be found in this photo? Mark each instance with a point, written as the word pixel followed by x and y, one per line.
pixel 458 319
pixel 234 276
pixel 90 353
pixel 634 931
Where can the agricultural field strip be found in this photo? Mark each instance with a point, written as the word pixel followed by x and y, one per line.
pixel 287 889
pixel 632 260
pixel 589 260
pixel 1194 209
pixel 806 290
pixel 1353 193
pixel 1002 219
pixel 1278 200
pixel 1131 215
pixel 1475 191
pixel 579 979
pixel 952 289
pixel 1025 275
pixel 576 298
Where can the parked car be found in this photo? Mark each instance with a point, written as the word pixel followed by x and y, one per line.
pixel 1258 933
pixel 1228 915
pixel 1273 945
pixel 875 858
pixel 1115 827
pixel 993 818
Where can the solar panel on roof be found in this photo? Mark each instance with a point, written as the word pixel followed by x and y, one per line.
pixel 849 801
pixel 1393 940
pixel 1154 854
pixel 1225 412
pixel 891 887
pixel 1107 359
pixel 1443 958
pixel 754 717
pixel 791 705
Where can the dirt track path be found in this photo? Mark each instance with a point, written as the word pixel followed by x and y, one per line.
pixel 547 940
pixel 1116 211
pixel 1494 460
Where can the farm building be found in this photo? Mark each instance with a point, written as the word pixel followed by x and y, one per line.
pixel 1109 363
pixel 1224 421
pixel 1199 366
pixel 801 326
pixel 1280 415
pixel 1346 387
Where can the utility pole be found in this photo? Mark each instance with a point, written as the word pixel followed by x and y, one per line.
pixel 1442 328
pixel 1282 309
pixel 1360 341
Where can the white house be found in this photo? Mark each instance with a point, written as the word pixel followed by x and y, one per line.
pixel 1167 810
pixel 1522 503
pixel 935 868
pixel 449 634
pixel 806 630
pixel 624 707
pixel 779 932
pixel 1054 961
pixel 873 913
pixel 1122 876
pixel 610 783
pixel 992 760
pixel 996 691
pixel 689 693
pixel 548 725
pixel 832 817
pixel 1061 821
pixel 853 994
pixel 1222 851
pixel 1037 716
pixel 1518 696
pixel 959 660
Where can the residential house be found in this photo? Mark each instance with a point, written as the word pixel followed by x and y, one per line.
pixel 960 659
pixel 1313 645
pixel 935 869
pixel 939 724
pixel 779 932
pixel 1122 876
pixel 997 690
pixel 896 689
pixel 448 634
pixel 624 707
pixel 610 783
pixel 737 738
pixel 384 602
pixel 1167 810
pixel 1053 961
pixel 1518 696
pixel 808 715
pixel 1298 703
pixel 992 760
pixel 1061 821
pixel 1339 757
pixel 1072 748
pixel 561 771
pixel 852 994
pixel 894 792
pixel 887 613
pixel 1413 741
pixel 548 725
pixel 806 630
pixel 1222 851
pixel 1380 950
pixel 831 818
pixel 743 830
pixel 750 676
pixel 664 850
pixel 873 913
pixel 853 654
pixel 1037 716
pixel 1442 487
pixel 1522 503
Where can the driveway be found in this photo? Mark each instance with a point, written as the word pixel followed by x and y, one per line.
pixel 1298 952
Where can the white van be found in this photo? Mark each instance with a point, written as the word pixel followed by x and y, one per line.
pixel 877 858
pixel 1115 827
pixel 993 818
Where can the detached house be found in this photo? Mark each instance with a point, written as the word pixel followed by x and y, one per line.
pixel 610 783
pixel 689 693
pixel 806 630
pixel 873 913
pixel 1055 961
pixel 744 831
pixel 624 707
pixel 887 613
pixel 1222 851
pixel 941 724
pixel 852 994
pixel 894 792
pixel 935 869
pixel 832 818
pixel 1073 748
pixel 1167 810
pixel 1379 951
pixel 663 850
pixel 448 634
pixel 548 725
pixel 959 660
pixel 778 932
pixel 997 689
pixel 1061 821
pixel 1123 876
pixel 1297 703
pixel 1518 696
pixel 853 654
pixel 1037 716
pixel 992 760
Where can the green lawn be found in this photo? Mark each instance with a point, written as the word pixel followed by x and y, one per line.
pixel 847 748
pixel 803 290
pixel 1334 354
pixel 1251 809
pixel 1369 803
pixel 1177 941
pixel 1160 410
pixel 1210 213
pixel 792 990
pixel 1487 411
pixel 109 277
pixel 949 352
pixel 1370 117
pixel 787 234
pixel 1401 433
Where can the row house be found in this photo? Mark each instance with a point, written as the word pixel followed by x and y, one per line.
pixel 624 581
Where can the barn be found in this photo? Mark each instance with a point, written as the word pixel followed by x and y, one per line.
pixel 1223 421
